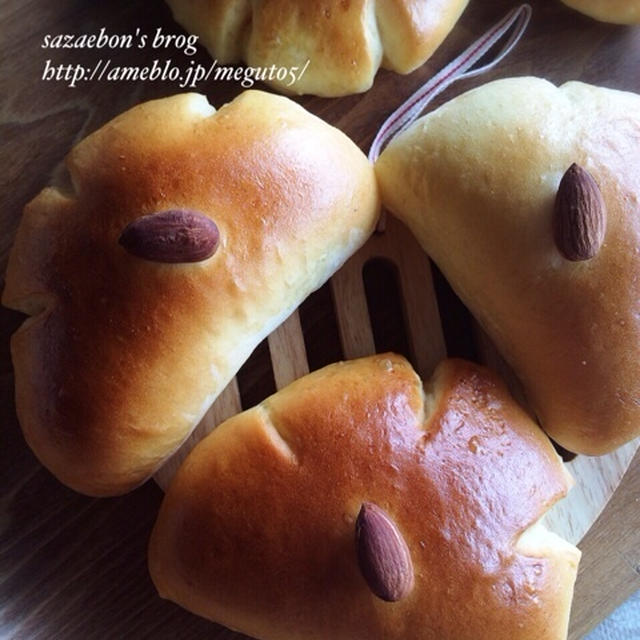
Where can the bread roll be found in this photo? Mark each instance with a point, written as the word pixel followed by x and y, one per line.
pixel 477 182
pixel 617 11
pixel 344 42
pixel 123 355
pixel 257 530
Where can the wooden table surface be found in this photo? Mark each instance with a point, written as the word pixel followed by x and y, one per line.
pixel 74 567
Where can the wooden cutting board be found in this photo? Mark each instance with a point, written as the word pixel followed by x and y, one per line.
pixel 73 567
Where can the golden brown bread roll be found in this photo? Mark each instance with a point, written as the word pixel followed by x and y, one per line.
pixel 344 42
pixel 476 181
pixel 616 11
pixel 123 355
pixel 257 530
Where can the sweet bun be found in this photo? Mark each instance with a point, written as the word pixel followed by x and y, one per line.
pixel 344 42
pixel 480 183
pixel 258 528
pixel 140 320
pixel 616 11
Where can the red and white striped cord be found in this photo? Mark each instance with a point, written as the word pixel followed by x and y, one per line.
pixel 411 109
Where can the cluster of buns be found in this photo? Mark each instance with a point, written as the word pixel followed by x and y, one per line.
pixel 616 11
pixel 344 43
pixel 355 504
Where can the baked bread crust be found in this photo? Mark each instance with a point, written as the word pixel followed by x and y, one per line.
pixel 344 42
pixel 123 356
pixel 616 11
pixel 257 529
pixel 476 181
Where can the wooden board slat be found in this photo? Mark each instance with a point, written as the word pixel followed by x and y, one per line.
pixel 288 355
pixel 351 312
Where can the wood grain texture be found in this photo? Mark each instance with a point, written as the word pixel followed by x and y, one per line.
pixel 420 309
pixel 286 345
pixel 75 568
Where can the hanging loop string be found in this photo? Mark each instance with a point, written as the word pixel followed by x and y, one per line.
pixel 406 113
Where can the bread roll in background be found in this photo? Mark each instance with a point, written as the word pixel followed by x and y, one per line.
pixel 616 11
pixel 344 43
pixel 476 181
pixel 123 355
pixel 257 529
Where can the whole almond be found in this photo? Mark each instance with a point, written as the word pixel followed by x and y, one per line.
pixel 176 235
pixel 383 555
pixel 580 217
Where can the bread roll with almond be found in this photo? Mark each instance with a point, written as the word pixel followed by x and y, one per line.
pixel 188 236
pixel 526 196
pixel 332 48
pixel 356 505
pixel 616 11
